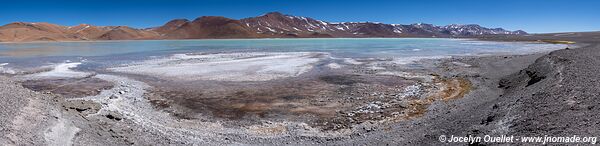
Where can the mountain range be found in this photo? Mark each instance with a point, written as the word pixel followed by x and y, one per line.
pixel 270 25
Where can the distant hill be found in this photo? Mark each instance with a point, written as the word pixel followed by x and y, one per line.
pixel 270 25
pixel 24 32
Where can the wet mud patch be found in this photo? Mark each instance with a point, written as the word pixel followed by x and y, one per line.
pixel 240 101
pixel 330 102
pixel 69 87
pixel 340 79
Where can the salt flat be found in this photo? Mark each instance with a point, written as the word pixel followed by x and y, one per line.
pixel 226 67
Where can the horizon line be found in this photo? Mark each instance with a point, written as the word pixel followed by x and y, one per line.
pixel 377 22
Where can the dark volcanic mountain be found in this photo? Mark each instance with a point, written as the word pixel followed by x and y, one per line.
pixel 206 27
pixel 270 25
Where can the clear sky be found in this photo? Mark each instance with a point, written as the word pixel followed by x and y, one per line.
pixel 537 16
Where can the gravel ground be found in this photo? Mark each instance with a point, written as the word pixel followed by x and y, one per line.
pixel 557 95
pixel 25 114
pixel 11 105
pixel 462 116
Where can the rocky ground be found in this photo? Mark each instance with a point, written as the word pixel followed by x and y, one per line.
pixel 532 95
pixel 28 117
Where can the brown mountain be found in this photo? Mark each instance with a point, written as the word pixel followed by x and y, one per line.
pixel 24 32
pixel 19 31
pixel 126 33
pixel 86 32
pixel 206 27
pixel 278 25
pixel 171 26
pixel 270 25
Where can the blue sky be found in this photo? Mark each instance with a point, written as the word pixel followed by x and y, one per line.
pixel 535 16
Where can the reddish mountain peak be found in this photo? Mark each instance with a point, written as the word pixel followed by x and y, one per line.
pixel 207 27
pixel 30 24
pixel 171 25
pixel 83 24
pixel 15 24
pixel 211 18
pixel 80 26
pixel 122 27
pixel 273 14
pixel 41 26
pixel 19 23
pixel 177 21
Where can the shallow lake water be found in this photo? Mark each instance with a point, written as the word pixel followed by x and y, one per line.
pixel 103 54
